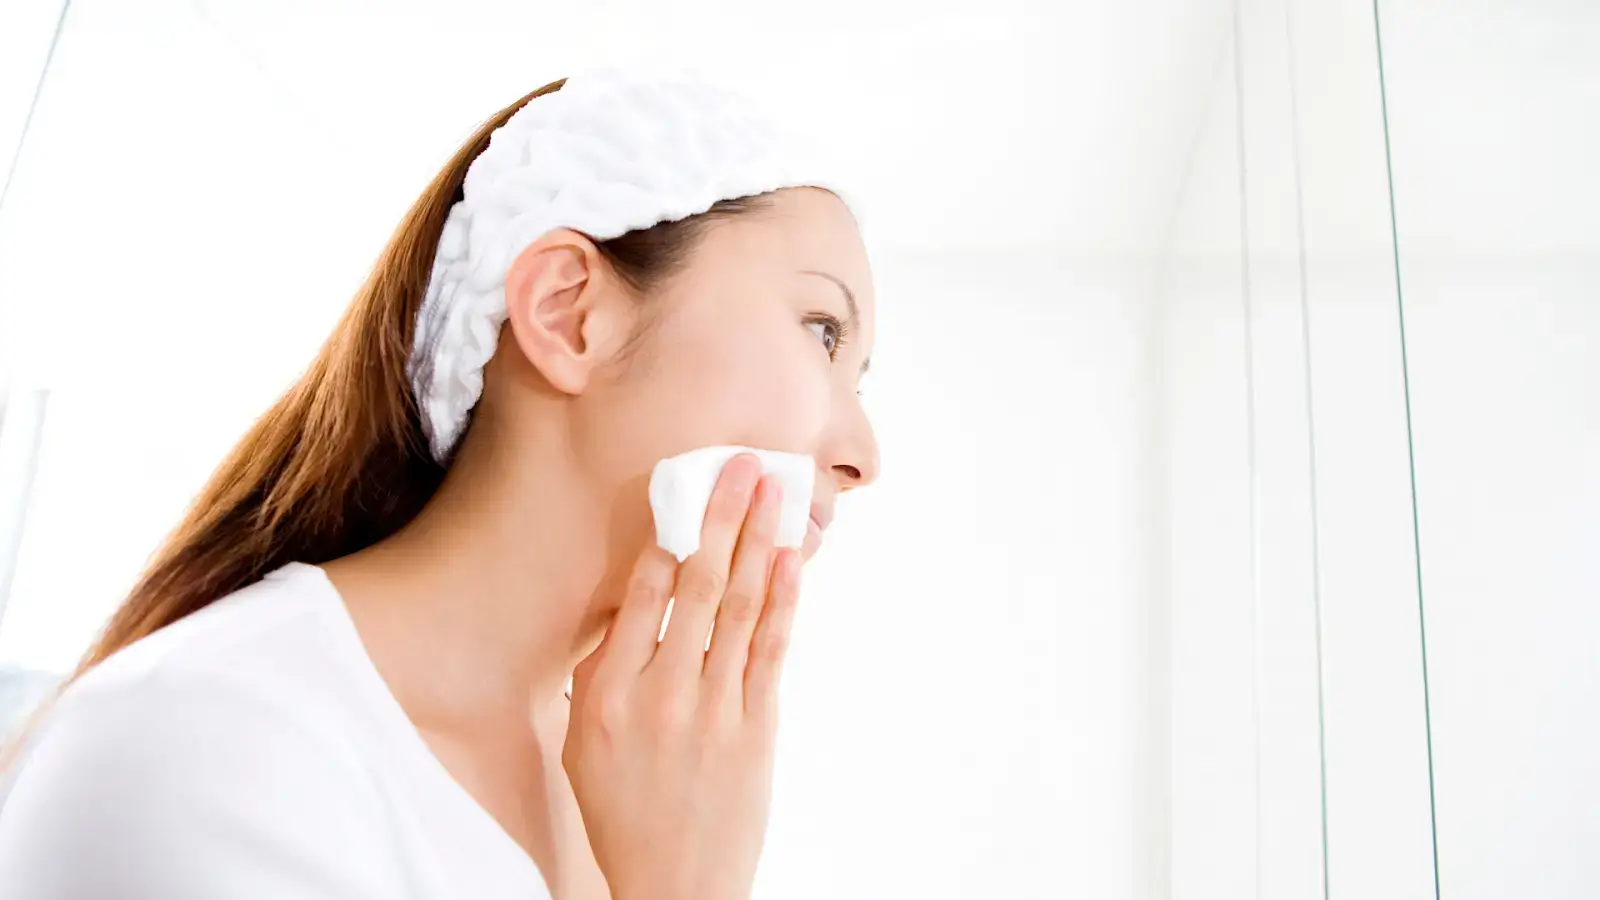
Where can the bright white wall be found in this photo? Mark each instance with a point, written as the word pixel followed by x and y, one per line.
pixel 1244 768
pixel 1497 196
pixel 967 706
pixel 1206 598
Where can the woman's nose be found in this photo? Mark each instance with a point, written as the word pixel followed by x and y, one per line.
pixel 855 460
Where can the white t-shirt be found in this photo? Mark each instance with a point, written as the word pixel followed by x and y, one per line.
pixel 248 751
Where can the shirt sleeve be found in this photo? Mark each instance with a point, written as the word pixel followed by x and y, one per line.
pixel 183 789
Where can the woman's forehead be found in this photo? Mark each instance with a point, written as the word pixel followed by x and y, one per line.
pixel 803 231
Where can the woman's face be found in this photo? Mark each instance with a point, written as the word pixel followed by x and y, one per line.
pixel 761 340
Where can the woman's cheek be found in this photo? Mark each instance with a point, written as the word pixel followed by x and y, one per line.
pixel 768 406
pixel 793 412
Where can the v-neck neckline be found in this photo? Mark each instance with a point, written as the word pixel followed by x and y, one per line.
pixel 403 729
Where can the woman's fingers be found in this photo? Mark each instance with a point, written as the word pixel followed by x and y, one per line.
pixel 630 642
pixel 747 590
pixel 704 576
pixel 770 643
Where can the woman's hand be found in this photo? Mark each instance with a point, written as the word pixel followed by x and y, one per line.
pixel 669 746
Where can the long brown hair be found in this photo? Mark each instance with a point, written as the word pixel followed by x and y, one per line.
pixel 341 462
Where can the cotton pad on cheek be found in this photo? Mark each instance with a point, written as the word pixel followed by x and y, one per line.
pixel 680 491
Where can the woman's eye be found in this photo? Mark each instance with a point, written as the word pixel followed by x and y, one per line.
pixel 827 332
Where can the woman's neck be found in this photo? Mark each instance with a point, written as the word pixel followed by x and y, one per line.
pixel 484 603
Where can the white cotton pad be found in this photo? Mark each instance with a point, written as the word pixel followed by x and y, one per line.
pixel 680 491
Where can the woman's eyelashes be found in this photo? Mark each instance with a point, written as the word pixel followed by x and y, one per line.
pixel 831 330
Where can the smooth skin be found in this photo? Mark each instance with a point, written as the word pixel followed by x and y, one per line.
pixel 540 539
pixel 670 748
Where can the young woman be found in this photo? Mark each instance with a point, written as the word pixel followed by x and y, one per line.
pixel 343 675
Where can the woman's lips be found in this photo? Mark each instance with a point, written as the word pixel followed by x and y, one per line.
pixel 821 516
pixel 813 541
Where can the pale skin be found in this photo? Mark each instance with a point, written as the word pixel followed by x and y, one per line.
pixel 535 562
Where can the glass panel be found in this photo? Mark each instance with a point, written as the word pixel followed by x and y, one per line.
pixel 27 33
pixel 1336 563
pixel 1496 192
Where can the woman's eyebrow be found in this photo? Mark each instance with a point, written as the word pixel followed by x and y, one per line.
pixel 849 296
pixel 850 301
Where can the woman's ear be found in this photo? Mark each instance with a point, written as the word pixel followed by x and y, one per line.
pixel 566 315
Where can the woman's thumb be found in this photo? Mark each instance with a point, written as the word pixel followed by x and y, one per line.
pixel 583 674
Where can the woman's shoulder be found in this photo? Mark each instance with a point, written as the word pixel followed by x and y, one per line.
pixel 262 659
pixel 186 747
pixel 288 612
pixel 265 655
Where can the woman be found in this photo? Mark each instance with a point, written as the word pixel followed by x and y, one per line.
pixel 342 676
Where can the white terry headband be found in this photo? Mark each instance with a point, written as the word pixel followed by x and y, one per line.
pixel 612 151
